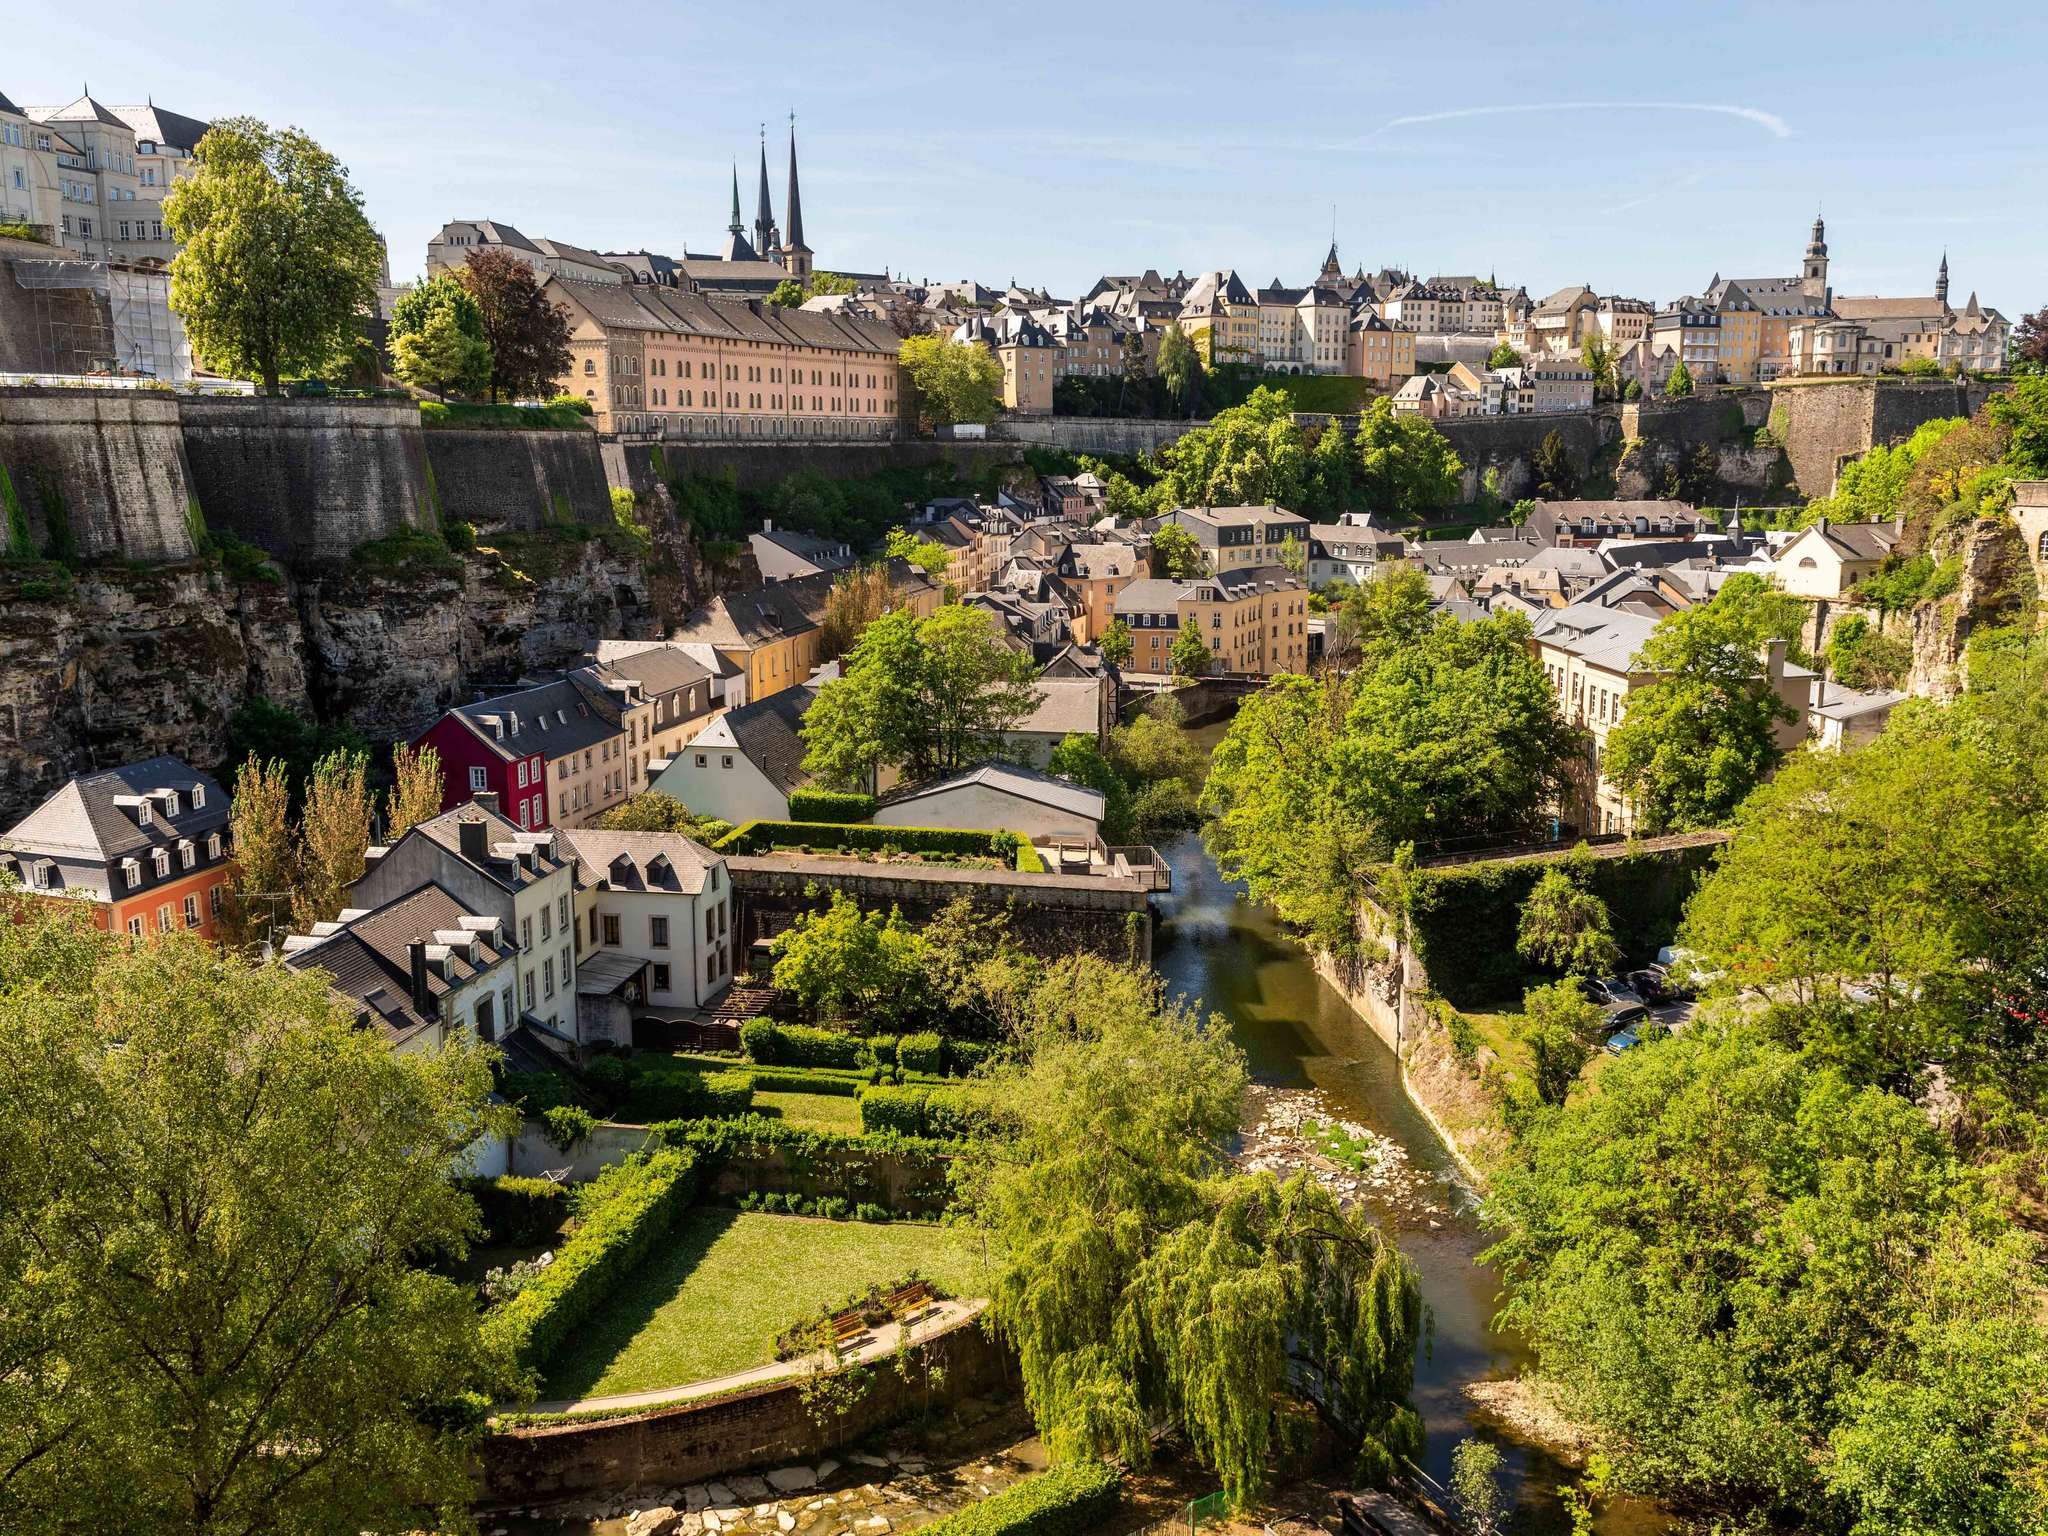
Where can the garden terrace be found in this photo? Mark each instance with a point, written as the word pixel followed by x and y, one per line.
pixel 944 846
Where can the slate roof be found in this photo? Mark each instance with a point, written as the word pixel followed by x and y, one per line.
pixel 1603 637
pixel 83 110
pixel 8 106
pixel 503 841
pixel 368 961
pixel 151 121
pixel 767 731
pixel 554 719
pixel 1009 779
pixel 1151 594
pixel 1097 562
pixel 94 822
pixel 782 553
pixel 1858 541
pixel 640 861
pixel 658 667
pixel 1065 706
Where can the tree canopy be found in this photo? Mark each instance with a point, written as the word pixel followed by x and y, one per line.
pixel 923 695
pixel 793 293
pixel 928 555
pixel 217 1194
pixel 276 264
pixel 528 335
pixel 1700 737
pixel 437 337
pixel 1680 382
pixel 1143 1282
pixel 844 964
pixel 1565 926
pixel 1176 553
pixel 954 381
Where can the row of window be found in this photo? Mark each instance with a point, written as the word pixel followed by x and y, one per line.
pixel 160 859
pixel 167 915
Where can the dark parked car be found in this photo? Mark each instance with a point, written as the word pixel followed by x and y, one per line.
pixel 1655 985
pixel 1608 990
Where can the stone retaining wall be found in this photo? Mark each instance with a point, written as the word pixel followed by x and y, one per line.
pixel 97 472
pixel 516 481
pixel 767 1426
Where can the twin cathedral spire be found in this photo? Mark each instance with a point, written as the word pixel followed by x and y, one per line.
pixel 769 242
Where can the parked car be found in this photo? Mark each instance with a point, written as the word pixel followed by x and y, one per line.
pixel 1656 985
pixel 1609 989
pixel 1623 1039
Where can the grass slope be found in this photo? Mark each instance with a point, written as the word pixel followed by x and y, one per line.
pixel 729 1281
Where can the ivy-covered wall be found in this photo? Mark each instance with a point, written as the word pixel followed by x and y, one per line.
pixel 1463 920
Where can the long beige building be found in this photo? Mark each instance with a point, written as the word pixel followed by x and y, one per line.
pixel 658 361
pixel 92 178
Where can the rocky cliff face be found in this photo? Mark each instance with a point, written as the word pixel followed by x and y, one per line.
pixel 120 662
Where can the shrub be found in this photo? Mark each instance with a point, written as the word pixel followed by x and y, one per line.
pixel 680 1093
pixel 922 1053
pixel 801 1045
pixel 946 842
pixel 458 535
pixel 867 1210
pixel 800 1080
pixel 519 418
pixel 625 1214
pixel 1070 1500
pixel 965 1056
pixel 907 1174
pixel 914 1110
pixel 537 1092
pixel 833 1207
pixel 568 1126
pixel 828 805
pixel 576 403
pixel 519 1213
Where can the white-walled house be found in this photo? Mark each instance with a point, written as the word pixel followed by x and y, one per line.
pixel 997 797
pixel 1066 706
pixel 659 900
pixel 1826 559
pixel 744 765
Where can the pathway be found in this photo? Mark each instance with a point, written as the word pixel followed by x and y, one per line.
pixel 877 1343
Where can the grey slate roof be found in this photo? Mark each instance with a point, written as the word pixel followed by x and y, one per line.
pixel 503 842
pixel 95 821
pixel 554 719
pixel 1008 778
pixel 767 732
pixel 369 962
pixel 640 861
pixel 151 121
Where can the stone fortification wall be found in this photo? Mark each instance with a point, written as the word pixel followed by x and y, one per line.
pixel 516 481
pixel 755 466
pixel 1094 434
pixel 307 480
pixel 1824 423
pixel 96 472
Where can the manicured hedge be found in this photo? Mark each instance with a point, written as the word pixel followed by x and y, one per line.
pixel 825 1164
pixel 624 1215
pixel 1464 919
pixel 912 1109
pixel 681 1094
pixel 802 1045
pixel 1070 1500
pixel 800 1080
pixel 965 1056
pixel 922 1053
pixel 519 1213
pixel 947 842
pixel 830 805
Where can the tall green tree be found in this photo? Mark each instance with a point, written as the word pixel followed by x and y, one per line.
pixel 844 964
pixel 1176 553
pixel 1406 466
pixel 954 381
pixel 923 695
pixel 1557 478
pixel 437 338
pixel 277 265
pixel 1704 734
pixel 1252 454
pixel 1679 384
pixel 1180 368
pixel 1564 924
pixel 1081 759
pixel 218 1194
pixel 334 836
pixel 527 332
pixel 1190 656
pixel 1503 356
pixel 1390 609
pixel 1143 1283
pixel 928 555
pixel 1115 644
pixel 257 906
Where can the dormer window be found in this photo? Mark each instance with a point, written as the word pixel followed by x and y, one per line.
pixel 162 860
pixel 131 872
pixel 213 845
pixel 172 803
pixel 46 875
pixel 188 855
pixel 198 797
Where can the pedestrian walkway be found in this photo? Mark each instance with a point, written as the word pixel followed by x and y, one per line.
pixel 879 1342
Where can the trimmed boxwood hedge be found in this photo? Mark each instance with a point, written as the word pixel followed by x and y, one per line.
pixel 1464 920
pixel 761 836
pixel 1070 1500
pixel 518 1213
pixel 681 1094
pixel 807 1047
pixel 830 805
pixel 624 1215
pixel 834 1164
pixel 912 1109
pixel 803 1045
pixel 922 1053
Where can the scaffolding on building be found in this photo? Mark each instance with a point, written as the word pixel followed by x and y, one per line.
pixel 91 317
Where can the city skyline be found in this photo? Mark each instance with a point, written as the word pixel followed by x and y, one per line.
pixel 1545 159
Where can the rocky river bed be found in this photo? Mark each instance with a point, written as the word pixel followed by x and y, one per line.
pixel 1296 1130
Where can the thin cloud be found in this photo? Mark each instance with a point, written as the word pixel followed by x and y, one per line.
pixel 1642 200
pixel 1768 120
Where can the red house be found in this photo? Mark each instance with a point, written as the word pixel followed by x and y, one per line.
pixel 479 752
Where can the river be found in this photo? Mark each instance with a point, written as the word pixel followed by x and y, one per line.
pixel 1298 1032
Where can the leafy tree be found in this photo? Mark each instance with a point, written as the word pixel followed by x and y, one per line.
pixel 1190 656
pixel 1871 489
pixel 1176 553
pixel 1143 1282
pixel 416 796
pixel 1293 556
pixel 1556 476
pixel 1252 454
pixel 334 835
pixel 1859 656
pixel 792 293
pixel 2029 348
pixel 927 555
pixel 1679 385
pixel 955 381
pixel 1564 925
pixel 2022 413
pixel 858 598
pixel 1521 512
pixel 1406 467
pixel 219 1192
pixel 1503 356
pixel 1164 771
pixel 441 357
pixel 1769 1290
pixel 863 968
pixel 1081 759
pixel 1115 643
pixel 272 732
pixel 1476 1464
pixel 924 695
pixel 1697 740
pixel 653 811
pixel 1598 359
pixel 257 904
pixel 1390 609
pixel 1632 390
pixel 277 263
pixel 1559 1027
pixel 1692 478
pixel 1180 368
pixel 528 335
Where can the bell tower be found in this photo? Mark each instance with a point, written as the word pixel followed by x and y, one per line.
pixel 1813 277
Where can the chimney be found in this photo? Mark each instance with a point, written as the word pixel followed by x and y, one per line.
pixel 1774 660
pixel 488 799
pixel 416 964
pixel 475 841
pixel 767 525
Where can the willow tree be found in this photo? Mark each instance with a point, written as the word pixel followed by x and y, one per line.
pixel 1145 1282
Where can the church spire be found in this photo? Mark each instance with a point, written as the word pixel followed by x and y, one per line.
pixel 793 203
pixel 764 212
pixel 734 226
pixel 1941 281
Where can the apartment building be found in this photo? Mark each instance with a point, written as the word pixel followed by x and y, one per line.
pixel 95 176
pixel 1254 619
pixel 459 239
pixel 1029 353
pixel 1233 537
pixel 145 845
pixel 656 906
pixel 677 688
pixel 656 360
pixel 1378 351
pixel 1091 575
pixel 1302 330
pixel 1221 317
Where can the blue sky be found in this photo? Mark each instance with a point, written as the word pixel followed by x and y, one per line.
pixel 1640 147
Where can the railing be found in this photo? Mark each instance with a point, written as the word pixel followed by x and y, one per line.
pixel 129 382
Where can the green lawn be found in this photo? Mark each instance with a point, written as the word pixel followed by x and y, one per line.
pixel 729 1281
pixel 813 1111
